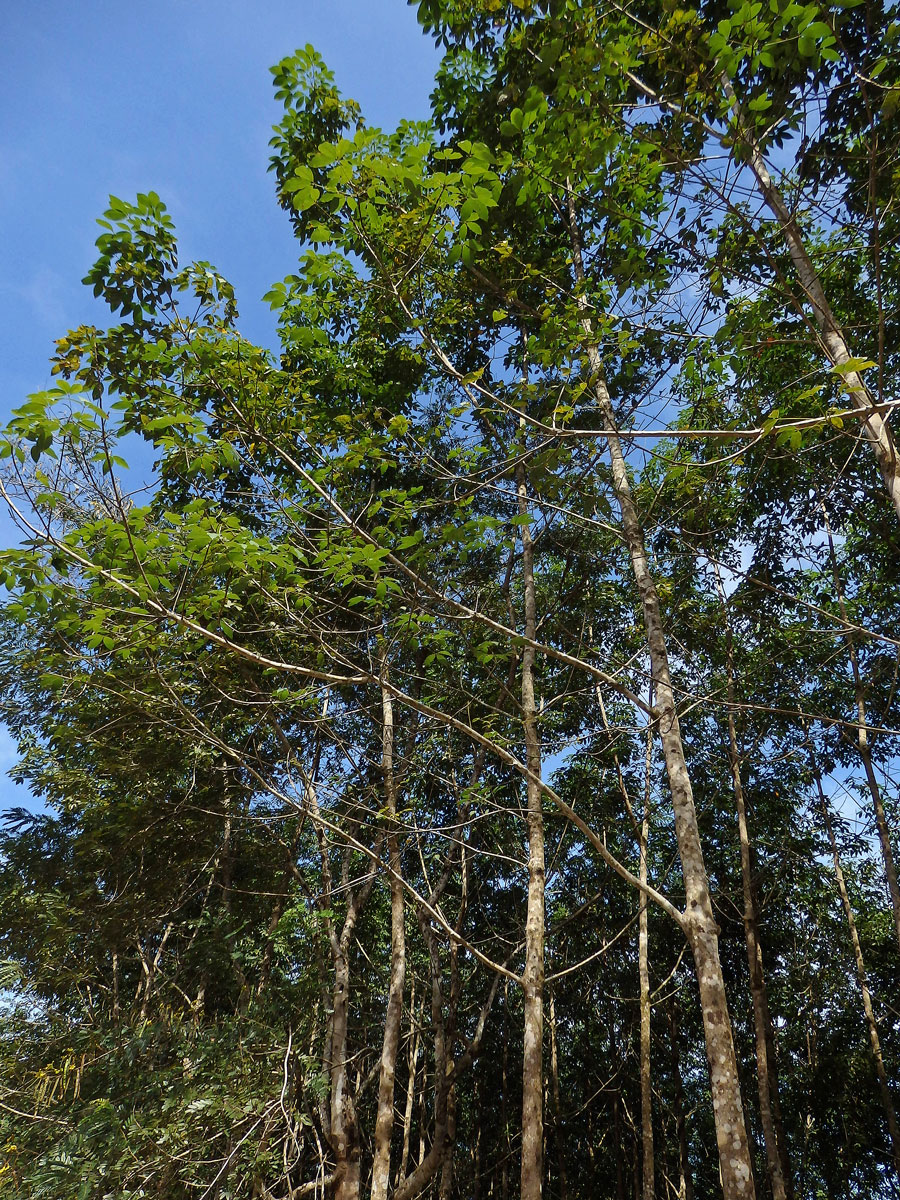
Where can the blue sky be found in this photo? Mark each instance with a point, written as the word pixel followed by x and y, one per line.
pixel 173 96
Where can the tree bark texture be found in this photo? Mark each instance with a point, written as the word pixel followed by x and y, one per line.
pixel 833 339
pixel 343 1124
pixel 533 975
pixel 649 1170
pixel 700 924
pixel 384 1121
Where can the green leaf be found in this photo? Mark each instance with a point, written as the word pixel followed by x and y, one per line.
pixel 852 364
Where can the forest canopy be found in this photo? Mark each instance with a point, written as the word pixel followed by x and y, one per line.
pixel 469 752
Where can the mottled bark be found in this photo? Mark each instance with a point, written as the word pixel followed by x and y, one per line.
pixel 428 1166
pixel 446 1069
pixel 648 1189
pixel 384 1120
pixel 343 1125
pixel 533 975
pixel 504 1091
pixel 699 920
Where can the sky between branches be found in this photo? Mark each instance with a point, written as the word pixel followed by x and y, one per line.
pixel 172 96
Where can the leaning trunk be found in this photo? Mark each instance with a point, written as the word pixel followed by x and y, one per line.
pixel 834 341
pixel 700 923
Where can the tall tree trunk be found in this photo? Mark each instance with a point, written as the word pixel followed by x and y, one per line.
pixel 649 1169
pixel 766 1076
pixel 384 1120
pixel 863 747
pixel 874 1039
pixel 700 923
pixel 427 1168
pixel 533 975
pixel 833 339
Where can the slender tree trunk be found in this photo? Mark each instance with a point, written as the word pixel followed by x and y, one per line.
pixel 344 1127
pixel 700 923
pixel 427 1168
pixel 686 1179
pixel 863 747
pixel 874 1039
pixel 558 1136
pixel 617 1125
pixel 478 1109
pixel 447 1167
pixel 649 1169
pixel 412 1067
pixel 765 1069
pixel 384 1121
pixel 423 1115
pixel 445 1189
pixel 833 339
pixel 504 1108
pixel 887 854
pixel 533 975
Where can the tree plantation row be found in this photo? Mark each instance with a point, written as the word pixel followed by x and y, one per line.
pixel 470 751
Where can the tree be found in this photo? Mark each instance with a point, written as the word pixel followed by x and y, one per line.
pixel 415 704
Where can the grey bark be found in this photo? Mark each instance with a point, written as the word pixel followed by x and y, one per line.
pixel 834 341
pixel 384 1120
pixel 533 975
pixel 648 1190
pixel 700 923
pixel 766 1071
pixel 341 1126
